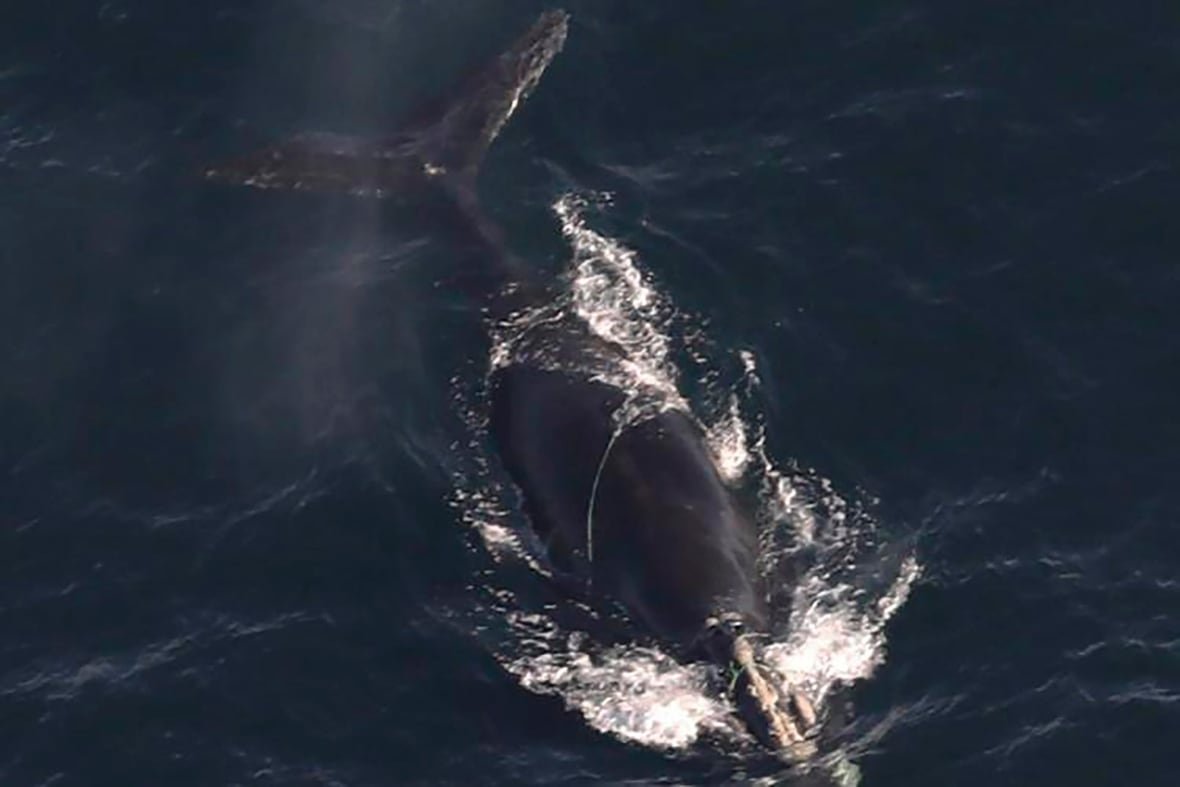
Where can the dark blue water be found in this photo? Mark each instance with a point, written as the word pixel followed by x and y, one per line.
pixel 232 423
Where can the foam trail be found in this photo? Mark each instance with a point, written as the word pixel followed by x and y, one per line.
pixel 613 297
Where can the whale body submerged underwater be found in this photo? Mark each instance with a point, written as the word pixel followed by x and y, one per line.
pixel 633 508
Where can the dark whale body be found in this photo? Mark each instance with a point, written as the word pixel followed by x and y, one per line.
pixel 639 510
pixel 636 510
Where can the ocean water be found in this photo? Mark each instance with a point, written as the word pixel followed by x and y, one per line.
pixel 912 264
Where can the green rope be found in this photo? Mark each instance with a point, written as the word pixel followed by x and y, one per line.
pixel 736 671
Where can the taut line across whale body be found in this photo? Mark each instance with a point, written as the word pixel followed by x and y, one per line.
pixel 634 507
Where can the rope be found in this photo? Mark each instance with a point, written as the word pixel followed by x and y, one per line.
pixel 594 494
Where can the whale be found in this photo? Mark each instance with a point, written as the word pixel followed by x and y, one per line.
pixel 629 509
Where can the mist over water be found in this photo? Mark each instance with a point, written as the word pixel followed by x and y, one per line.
pixel 911 265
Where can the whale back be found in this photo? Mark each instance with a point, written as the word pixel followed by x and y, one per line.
pixel 639 514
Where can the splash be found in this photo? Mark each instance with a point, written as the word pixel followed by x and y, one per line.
pixel 835 638
pixel 729 443
pixel 636 694
pixel 832 614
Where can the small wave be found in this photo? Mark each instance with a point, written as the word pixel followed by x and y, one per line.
pixel 118 671
pixel 65 681
pixel 18 140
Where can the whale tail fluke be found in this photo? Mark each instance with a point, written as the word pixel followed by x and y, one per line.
pixel 457 132
pixel 444 143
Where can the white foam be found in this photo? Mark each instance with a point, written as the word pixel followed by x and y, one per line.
pixel 836 636
pixel 729 443
pixel 635 694
pixel 612 295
